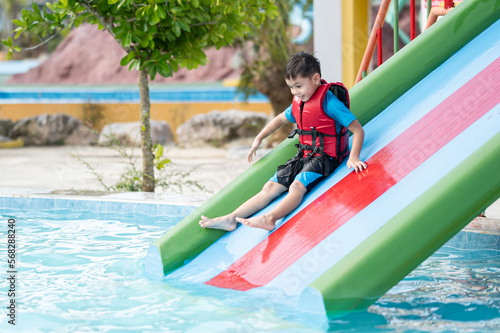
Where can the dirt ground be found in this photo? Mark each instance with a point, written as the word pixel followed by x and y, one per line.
pixel 69 168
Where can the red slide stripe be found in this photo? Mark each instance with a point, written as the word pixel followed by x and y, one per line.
pixel 353 193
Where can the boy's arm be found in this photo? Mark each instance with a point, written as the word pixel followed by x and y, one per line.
pixel 270 128
pixel 358 136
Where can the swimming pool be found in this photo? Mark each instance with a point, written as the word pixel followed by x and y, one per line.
pixel 79 267
pixel 212 92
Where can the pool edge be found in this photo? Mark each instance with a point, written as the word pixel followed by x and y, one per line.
pixel 148 203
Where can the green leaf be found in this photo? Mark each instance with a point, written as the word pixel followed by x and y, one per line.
pixel 19 22
pixel 161 164
pixel 127 40
pixel 154 19
pixel 158 151
pixel 272 12
pixel 78 21
pixel 7 42
pixel 144 42
pixel 162 14
pixel 121 3
pixel 184 26
pixel 19 32
pixel 170 36
pixel 175 65
pixel 152 72
pixel 164 69
pixel 36 9
pixel 135 64
pixel 127 59
pixel 177 28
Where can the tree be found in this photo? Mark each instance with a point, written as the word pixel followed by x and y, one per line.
pixel 265 59
pixel 10 8
pixel 159 36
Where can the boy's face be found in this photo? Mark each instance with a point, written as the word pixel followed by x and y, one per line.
pixel 303 87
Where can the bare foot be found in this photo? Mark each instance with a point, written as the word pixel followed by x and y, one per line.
pixel 223 223
pixel 263 222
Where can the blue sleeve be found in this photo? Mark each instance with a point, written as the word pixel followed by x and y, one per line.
pixel 288 114
pixel 337 110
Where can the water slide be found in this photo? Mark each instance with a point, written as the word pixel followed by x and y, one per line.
pixel 432 120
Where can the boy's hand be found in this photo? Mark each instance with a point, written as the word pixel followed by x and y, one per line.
pixel 358 136
pixel 272 126
pixel 356 164
pixel 253 149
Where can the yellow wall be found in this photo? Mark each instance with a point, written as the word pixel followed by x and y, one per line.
pixel 97 115
pixel 355 30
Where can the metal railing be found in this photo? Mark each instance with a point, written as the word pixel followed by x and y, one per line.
pixel 375 39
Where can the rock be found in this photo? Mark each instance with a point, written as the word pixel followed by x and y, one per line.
pixel 5 126
pixel 220 128
pixel 82 136
pixel 130 133
pixel 45 129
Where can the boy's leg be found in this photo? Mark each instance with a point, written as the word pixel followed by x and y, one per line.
pixel 269 192
pixel 291 201
pixel 311 174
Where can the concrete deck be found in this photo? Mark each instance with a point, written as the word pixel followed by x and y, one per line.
pixel 62 171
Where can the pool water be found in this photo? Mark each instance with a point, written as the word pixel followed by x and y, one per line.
pixel 79 271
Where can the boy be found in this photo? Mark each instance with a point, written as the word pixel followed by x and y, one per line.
pixel 322 120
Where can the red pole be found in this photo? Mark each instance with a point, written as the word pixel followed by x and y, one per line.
pixel 412 19
pixel 372 41
pixel 379 45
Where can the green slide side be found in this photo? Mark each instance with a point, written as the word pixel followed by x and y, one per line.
pixel 415 233
pixel 368 98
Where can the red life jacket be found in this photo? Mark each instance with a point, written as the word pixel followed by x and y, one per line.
pixel 317 131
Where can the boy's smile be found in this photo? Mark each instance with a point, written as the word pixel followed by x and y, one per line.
pixel 303 87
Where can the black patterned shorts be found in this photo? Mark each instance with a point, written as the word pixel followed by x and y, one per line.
pixel 308 172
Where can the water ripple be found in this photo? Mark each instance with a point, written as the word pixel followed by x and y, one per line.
pixel 83 272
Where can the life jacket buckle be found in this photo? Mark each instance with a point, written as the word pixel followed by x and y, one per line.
pixel 293 133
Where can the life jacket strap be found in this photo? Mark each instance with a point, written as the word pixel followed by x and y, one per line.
pixel 313 150
pixel 305 132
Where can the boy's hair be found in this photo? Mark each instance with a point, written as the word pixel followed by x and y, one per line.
pixel 302 64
